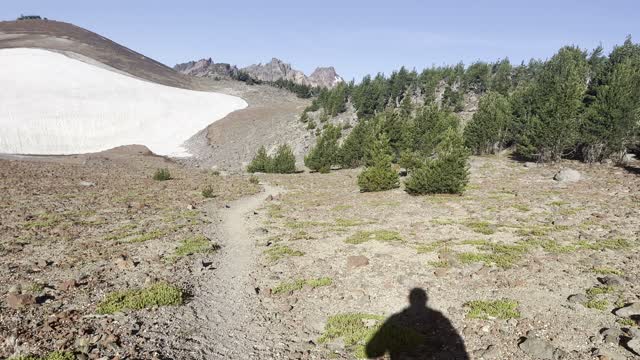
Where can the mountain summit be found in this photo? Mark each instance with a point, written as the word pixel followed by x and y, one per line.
pixel 274 70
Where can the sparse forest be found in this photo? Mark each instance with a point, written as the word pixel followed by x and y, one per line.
pixel 577 104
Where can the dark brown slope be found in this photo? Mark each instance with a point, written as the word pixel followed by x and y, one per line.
pixel 60 36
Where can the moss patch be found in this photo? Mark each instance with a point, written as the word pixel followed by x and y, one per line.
pixel 481 227
pixel 195 245
pixel 159 294
pixel 287 287
pixel 501 309
pixel 278 252
pixel 355 331
pixel 378 235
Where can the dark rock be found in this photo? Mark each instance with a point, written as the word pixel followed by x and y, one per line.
pixel 537 348
pixel 611 280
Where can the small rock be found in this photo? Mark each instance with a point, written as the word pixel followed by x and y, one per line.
pixel 611 280
pixel 567 175
pixel 605 354
pixel 191 207
pixel 634 345
pixel 357 261
pixel 123 262
pixel 578 298
pixel 611 336
pixel 530 164
pixel 402 172
pixel 68 285
pixel 629 310
pixel 18 301
pixel 537 348
pixel 490 353
pixel 634 332
pixel 87 183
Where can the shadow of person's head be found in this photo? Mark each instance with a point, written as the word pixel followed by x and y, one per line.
pixel 418 298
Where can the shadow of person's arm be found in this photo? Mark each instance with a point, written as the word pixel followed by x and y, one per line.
pixel 378 344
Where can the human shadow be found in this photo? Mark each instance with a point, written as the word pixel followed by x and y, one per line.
pixel 417 332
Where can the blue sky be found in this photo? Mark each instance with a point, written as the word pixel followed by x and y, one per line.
pixel 357 37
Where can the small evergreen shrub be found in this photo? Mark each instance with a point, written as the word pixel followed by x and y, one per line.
pixel 162 175
pixel 284 162
pixel 446 174
pixel 208 192
pixel 379 176
pixel 325 153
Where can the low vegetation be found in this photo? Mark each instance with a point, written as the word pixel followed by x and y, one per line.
pixel 288 287
pixel 195 245
pixel 500 309
pixel 283 162
pixel 378 235
pixel 162 175
pixel 159 294
pixel 55 355
pixel 278 252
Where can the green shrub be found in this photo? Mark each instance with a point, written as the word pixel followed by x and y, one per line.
pixel 261 162
pixel 486 133
pixel 501 309
pixel 162 175
pixel 254 179
pixel 159 294
pixel 208 192
pixel 379 175
pixel 325 153
pixel 284 162
pixel 447 174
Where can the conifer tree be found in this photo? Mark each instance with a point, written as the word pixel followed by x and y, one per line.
pixel 379 175
pixel 487 131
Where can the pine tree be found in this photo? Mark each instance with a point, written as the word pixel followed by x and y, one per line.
pixel 284 162
pixel 379 175
pixel 325 153
pixel 448 173
pixel 487 131
pixel 261 162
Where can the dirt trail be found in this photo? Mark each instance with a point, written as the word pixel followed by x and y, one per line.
pixel 230 322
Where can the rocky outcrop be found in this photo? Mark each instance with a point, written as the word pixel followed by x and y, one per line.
pixel 276 69
pixel 325 77
pixel 207 68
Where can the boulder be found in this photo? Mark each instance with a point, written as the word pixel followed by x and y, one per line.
pixel 611 280
pixel 567 175
pixel 634 345
pixel 629 310
pixel 357 261
pixel 578 298
pixel 537 348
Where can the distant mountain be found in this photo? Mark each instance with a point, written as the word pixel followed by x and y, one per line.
pixel 207 68
pixel 272 71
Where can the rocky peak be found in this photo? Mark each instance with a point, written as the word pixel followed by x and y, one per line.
pixel 325 77
pixel 207 68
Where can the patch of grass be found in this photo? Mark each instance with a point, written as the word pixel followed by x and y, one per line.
pixel 501 255
pixel 288 287
pixel 551 246
pixel 162 175
pixel 43 221
pixel 521 207
pixel 301 235
pixel 208 192
pixel 148 236
pixel 349 222
pixel 607 244
pixel 558 203
pixel 626 322
pixel 159 294
pixel 275 211
pixel 440 264
pixel 302 224
pixel 55 355
pixel 443 221
pixel 600 290
pixel 434 246
pixel 278 252
pixel 500 309
pixel 341 207
pixel 378 235
pixel 534 231
pixel 481 227
pixel 597 304
pixel 357 329
pixel 477 242
pixel 195 245
pixel 607 271
pixel 254 179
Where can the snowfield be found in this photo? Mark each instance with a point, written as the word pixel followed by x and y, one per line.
pixel 52 104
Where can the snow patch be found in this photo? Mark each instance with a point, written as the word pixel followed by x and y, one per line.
pixel 53 104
